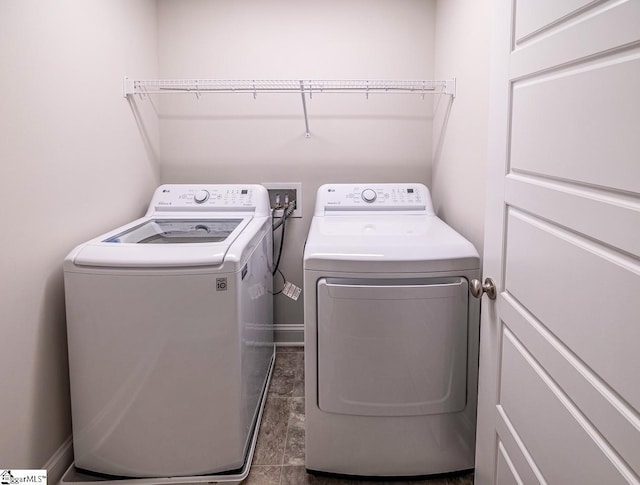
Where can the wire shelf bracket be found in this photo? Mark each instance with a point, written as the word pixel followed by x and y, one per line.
pixel 145 87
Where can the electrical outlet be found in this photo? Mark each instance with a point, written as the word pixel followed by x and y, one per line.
pixel 280 192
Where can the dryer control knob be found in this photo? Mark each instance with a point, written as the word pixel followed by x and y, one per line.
pixel 369 195
pixel 201 196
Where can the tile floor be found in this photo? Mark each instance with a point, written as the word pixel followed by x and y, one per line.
pixel 279 455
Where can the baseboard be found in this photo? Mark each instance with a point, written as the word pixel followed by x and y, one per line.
pixel 289 334
pixel 59 462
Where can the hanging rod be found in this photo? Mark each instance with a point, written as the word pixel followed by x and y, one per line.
pixel 144 87
pixel 255 86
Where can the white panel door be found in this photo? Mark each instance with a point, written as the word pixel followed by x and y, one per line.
pixel 559 389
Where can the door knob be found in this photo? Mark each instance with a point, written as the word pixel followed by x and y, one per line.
pixel 489 287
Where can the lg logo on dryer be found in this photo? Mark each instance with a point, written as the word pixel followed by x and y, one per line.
pixel 221 284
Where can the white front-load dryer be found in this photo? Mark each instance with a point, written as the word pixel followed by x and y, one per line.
pixel 170 334
pixel 391 335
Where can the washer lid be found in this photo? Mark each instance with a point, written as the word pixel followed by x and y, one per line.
pixel 392 243
pixel 177 231
pixel 164 242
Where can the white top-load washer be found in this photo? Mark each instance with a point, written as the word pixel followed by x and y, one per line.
pixel 170 333
pixel 391 335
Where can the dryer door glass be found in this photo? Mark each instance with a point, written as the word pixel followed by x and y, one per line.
pixel 173 231
pixel 392 347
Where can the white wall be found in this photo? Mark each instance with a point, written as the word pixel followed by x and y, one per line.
pixel 76 158
pixel 234 138
pixel 73 163
pixel 463 29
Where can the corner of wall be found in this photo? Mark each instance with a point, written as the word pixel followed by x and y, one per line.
pixel 460 128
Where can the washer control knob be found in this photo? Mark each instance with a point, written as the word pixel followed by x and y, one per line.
pixel 369 195
pixel 201 196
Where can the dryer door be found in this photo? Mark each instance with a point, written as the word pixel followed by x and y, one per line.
pixel 392 347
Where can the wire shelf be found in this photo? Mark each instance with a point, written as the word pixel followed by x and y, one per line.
pixel 255 86
pixel 303 87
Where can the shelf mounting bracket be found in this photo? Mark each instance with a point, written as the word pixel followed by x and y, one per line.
pixel 307 133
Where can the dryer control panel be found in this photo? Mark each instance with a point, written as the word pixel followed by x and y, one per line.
pixel 210 198
pixel 340 198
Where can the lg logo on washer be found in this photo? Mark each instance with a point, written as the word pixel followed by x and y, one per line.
pixel 221 284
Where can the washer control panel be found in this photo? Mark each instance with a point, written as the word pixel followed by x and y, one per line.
pixel 208 197
pixel 412 198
